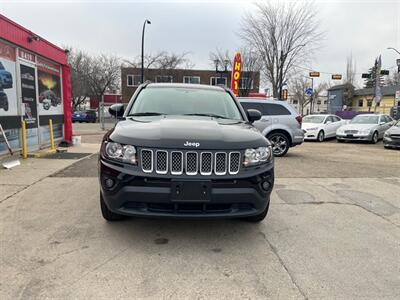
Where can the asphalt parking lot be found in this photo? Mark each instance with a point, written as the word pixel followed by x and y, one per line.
pixel 333 231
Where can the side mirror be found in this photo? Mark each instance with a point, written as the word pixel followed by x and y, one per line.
pixel 253 115
pixel 116 110
pixel 328 122
pixel 382 123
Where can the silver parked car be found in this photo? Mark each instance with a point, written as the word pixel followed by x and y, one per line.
pixel 280 123
pixel 365 127
pixel 391 138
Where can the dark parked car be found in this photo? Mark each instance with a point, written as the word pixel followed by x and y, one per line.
pixel 391 138
pixel 84 116
pixel 3 100
pixel 185 151
pixel 6 80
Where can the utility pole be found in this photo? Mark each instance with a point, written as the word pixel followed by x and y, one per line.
pixel 144 26
pixel 102 112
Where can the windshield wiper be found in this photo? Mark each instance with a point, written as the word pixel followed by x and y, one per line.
pixel 149 113
pixel 207 115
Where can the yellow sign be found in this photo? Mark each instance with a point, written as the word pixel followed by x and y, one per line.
pixel 236 70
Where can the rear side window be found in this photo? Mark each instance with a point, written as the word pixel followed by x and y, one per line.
pixel 248 105
pixel 275 110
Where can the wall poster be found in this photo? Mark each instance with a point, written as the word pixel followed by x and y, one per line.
pixel 8 97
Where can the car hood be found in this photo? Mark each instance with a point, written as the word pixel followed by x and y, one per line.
pixel 310 125
pixel 394 130
pixel 358 126
pixel 195 132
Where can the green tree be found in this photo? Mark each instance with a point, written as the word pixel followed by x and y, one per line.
pixel 370 82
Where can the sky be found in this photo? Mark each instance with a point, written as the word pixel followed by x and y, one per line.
pixel 362 28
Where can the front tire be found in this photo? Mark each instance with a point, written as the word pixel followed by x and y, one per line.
pixel 321 136
pixel 280 143
pixel 258 218
pixel 108 214
pixel 375 138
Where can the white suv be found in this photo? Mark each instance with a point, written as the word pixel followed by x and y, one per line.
pixel 280 123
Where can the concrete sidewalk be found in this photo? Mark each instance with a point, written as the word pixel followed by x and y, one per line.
pixel 34 170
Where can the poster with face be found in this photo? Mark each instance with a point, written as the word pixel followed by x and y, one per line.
pixel 49 84
pixel 8 86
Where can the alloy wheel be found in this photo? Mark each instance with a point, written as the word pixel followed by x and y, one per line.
pixel 279 144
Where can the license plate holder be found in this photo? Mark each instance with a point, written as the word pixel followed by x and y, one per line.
pixel 350 135
pixel 190 191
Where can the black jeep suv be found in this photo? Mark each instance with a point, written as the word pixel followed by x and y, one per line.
pixel 185 151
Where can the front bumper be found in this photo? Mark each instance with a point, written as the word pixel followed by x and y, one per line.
pixel 354 137
pixel 310 134
pixel 150 196
pixel 391 142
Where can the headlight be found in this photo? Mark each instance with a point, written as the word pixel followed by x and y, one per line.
pixel 387 134
pixel 340 131
pixel 124 153
pixel 257 156
pixel 365 131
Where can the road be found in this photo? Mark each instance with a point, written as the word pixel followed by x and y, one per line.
pixel 333 231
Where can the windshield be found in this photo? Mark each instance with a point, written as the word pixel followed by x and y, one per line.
pixel 313 119
pixel 185 101
pixel 397 124
pixel 365 120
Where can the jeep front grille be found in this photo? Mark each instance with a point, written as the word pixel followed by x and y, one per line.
pixel 190 162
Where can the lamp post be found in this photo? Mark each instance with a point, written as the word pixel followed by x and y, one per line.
pixel 394 49
pixel 144 26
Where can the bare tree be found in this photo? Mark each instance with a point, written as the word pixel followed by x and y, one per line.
pixel 351 70
pixel 297 89
pixel 283 35
pixel 80 65
pixel 393 79
pixel 250 66
pixel 162 60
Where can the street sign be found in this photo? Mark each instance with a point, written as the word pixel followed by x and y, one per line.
pixel 384 72
pixel 337 76
pixel 365 75
pixel 309 91
pixel 314 74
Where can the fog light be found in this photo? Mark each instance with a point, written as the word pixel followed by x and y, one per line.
pixel 109 182
pixel 266 185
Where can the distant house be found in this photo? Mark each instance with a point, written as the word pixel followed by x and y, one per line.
pixel 363 100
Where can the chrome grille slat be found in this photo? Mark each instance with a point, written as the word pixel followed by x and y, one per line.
pixel 176 163
pixel 234 162
pixel 206 163
pixel 190 162
pixel 220 163
pixel 146 159
pixel 161 162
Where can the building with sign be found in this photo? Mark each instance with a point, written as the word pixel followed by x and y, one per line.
pixel 249 82
pixel 34 87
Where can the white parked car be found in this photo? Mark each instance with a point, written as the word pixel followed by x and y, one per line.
pixel 319 127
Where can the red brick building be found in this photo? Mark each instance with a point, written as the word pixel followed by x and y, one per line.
pixel 131 79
